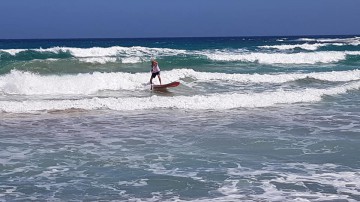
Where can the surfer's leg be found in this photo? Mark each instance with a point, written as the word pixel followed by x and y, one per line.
pixel 151 83
pixel 159 78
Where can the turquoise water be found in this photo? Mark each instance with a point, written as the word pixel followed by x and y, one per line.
pixel 254 119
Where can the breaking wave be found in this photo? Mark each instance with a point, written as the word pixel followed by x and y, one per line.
pixel 26 83
pixel 83 85
pixel 138 54
pixel 197 102
pixel 284 58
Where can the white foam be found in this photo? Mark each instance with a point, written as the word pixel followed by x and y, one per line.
pixel 98 60
pixel 104 51
pixel 334 76
pixel 135 183
pixel 131 60
pixel 305 46
pixel 355 41
pixel 103 55
pixel 12 51
pixel 306 39
pixel 345 183
pixel 198 102
pixel 281 58
pixel 139 54
pixel 352 52
pixel 26 83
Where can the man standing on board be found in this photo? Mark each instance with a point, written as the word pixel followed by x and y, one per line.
pixel 155 71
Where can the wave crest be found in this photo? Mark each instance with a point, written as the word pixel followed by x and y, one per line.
pixel 105 54
pixel 198 102
pixel 281 58
pixel 26 83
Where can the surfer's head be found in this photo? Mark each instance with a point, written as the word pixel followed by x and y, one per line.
pixel 154 62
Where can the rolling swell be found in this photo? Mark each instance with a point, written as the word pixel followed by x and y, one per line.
pixel 190 52
pixel 197 102
pixel 27 83
pixel 26 55
pixel 215 74
pixel 274 55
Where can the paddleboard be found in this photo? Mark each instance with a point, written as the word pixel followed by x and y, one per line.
pixel 169 85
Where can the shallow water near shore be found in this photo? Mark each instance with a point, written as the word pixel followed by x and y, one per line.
pixel 278 154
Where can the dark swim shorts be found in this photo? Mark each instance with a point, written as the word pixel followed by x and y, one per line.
pixel 153 75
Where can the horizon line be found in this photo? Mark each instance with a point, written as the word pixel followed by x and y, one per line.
pixel 174 37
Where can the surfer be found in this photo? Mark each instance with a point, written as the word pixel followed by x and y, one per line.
pixel 155 71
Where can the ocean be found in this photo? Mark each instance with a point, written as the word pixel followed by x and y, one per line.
pixel 254 119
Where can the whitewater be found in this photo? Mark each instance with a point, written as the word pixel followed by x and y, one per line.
pixel 254 119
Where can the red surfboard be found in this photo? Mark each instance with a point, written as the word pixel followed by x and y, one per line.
pixel 169 85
